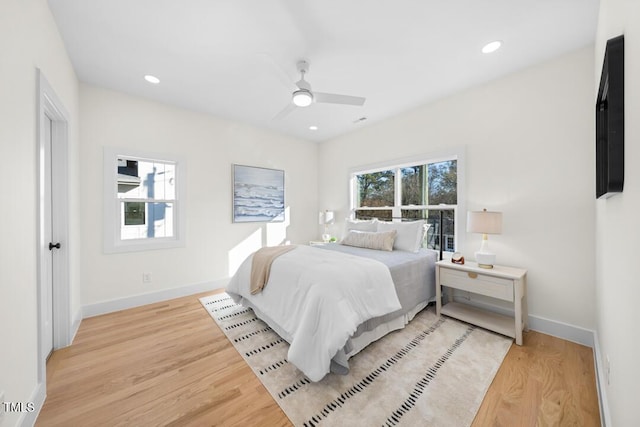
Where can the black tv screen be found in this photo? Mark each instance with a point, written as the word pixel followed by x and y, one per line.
pixel 610 122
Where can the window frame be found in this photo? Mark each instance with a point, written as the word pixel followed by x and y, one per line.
pixel 112 239
pixel 397 166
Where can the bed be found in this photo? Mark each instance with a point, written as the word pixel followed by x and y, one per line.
pixel 329 302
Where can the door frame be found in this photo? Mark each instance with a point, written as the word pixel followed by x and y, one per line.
pixel 50 105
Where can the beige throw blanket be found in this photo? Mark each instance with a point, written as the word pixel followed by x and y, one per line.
pixel 261 265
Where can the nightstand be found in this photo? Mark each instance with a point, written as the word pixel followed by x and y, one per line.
pixel 503 283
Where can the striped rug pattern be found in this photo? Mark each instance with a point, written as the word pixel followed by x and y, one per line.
pixel 434 372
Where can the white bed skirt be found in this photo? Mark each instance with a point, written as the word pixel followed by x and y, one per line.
pixel 357 344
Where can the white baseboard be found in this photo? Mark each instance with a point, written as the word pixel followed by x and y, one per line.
pixel 601 382
pixel 75 325
pixel 37 397
pixel 554 328
pixel 150 298
pixel 562 330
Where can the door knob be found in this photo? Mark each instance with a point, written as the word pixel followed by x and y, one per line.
pixel 51 246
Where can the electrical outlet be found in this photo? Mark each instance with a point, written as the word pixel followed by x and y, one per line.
pixel 146 277
pixel 607 369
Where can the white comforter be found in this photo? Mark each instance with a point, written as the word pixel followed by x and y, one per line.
pixel 317 299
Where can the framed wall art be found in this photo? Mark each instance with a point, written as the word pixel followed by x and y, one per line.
pixel 258 194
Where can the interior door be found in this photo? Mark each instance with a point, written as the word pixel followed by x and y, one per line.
pixel 47 297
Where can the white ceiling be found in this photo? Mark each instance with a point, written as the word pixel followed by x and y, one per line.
pixel 237 58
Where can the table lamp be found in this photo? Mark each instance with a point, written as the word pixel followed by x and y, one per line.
pixel 326 218
pixel 486 223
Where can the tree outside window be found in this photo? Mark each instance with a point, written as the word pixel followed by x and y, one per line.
pixel 424 191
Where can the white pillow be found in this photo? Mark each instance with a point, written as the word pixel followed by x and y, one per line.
pixel 410 234
pixel 361 225
pixel 382 241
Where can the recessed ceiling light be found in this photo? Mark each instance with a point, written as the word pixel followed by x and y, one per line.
pixel 313 127
pixel 492 47
pixel 152 79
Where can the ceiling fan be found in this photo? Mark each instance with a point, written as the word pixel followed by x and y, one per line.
pixel 303 96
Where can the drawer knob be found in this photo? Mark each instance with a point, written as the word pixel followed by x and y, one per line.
pixel 473 275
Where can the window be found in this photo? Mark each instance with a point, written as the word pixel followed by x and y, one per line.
pixel 420 190
pixel 142 204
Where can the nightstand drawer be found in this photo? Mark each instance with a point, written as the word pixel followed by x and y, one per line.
pixel 490 286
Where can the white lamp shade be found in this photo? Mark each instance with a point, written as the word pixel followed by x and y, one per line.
pixel 326 217
pixel 484 222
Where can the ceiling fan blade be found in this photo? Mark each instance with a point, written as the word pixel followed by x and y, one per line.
pixel 284 112
pixel 280 73
pixel 332 98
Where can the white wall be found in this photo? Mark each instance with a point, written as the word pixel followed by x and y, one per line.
pixel 214 245
pixel 529 152
pixel 529 144
pixel 29 39
pixel 618 228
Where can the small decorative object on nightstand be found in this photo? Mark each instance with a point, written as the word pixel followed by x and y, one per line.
pixel 486 223
pixel 457 258
pixel 332 241
pixel 503 283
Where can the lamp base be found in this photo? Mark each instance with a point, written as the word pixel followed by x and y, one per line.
pixel 485 259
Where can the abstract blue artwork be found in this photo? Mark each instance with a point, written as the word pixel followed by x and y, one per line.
pixel 258 194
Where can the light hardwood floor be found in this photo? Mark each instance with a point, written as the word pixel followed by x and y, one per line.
pixel 169 364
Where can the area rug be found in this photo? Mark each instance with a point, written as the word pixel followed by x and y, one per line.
pixel 434 372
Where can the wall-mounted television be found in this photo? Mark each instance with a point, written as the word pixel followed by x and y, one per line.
pixel 610 122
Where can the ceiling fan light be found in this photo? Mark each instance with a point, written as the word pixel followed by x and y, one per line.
pixel 302 98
